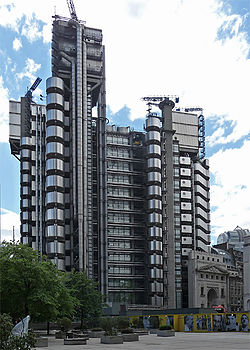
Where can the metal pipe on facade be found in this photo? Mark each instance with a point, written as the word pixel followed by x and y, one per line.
pixel 85 158
pixel 79 149
pixel 73 94
pixel 41 183
pixel 36 181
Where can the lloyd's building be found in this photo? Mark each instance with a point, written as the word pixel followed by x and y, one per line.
pixel 124 206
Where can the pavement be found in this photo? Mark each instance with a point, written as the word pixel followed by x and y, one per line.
pixel 181 341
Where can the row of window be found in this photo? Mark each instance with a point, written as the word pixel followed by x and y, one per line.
pixel 125 257
pixel 116 165
pixel 125 283
pixel 119 178
pixel 120 140
pixel 117 152
pixel 222 278
pixel 124 218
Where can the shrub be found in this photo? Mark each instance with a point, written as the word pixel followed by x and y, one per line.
pixel 137 323
pixel 127 330
pixel 122 322
pixel 64 324
pixel 165 327
pixel 109 325
pixel 96 329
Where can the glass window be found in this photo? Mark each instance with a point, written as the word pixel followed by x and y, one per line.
pixel 120 270
pixel 176 184
pixel 116 204
pixel 118 178
pixel 176 209
pixel 118 217
pixel 116 165
pixel 176 160
pixel 176 172
pixel 120 231
pixel 175 148
pixel 117 152
pixel 119 257
pixel 112 243
pixel 176 196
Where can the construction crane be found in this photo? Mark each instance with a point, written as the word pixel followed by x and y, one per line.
pixel 28 100
pixel 151 100
pixel 33 88
pixel 72 9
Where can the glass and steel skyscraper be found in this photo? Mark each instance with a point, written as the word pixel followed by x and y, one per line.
pixel 127 207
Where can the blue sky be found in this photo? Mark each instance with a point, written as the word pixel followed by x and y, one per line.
pixel 198 50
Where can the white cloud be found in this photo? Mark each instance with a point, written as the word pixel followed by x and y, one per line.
pixel 230 192
pixel 31 67
pixel 17 44
pixel 4 112
pixel 9 219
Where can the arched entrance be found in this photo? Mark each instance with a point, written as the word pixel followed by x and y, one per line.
pixel 211 297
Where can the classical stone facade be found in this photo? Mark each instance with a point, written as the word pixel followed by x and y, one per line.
pixel 208 280
pixel 246 262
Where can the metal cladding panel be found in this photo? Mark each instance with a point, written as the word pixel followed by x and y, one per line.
pixel 155 218
pixel 156 259
pixel 186 217
pixel 155 245
pixel 186 194
pixel 185 118
pixel 202 245
pixel 54 98
pixel 54 197
pixel 202 213
pixel 186 229
pixel 153 121
pixel 187 240
pixel 183 129
pixel 185 160
pixel 154 190
pixel 185 172
pixel 202 235
pixel 55 131
pixel 203 224
pixel 153 135
pixel 154 163
pixel 187 141
pixel 26 141
pixel 199 167
pixel 156 273
pixel 55 114
pixel 155 231
pixel 186 206
pixel 185 183
pixel 154 177
pixel 204 193
pixel 54 164
pixel 54 231
pixel 202 202
pixel 25 153
pixel 202 180
pixel 155 204
pixel 54 147
pixel 54 82
pixel 55 247
pixel 154 149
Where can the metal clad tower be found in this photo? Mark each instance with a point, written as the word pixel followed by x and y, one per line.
pixel 78 59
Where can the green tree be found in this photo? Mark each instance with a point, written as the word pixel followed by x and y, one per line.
pixel 30 285
pixel 89 300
